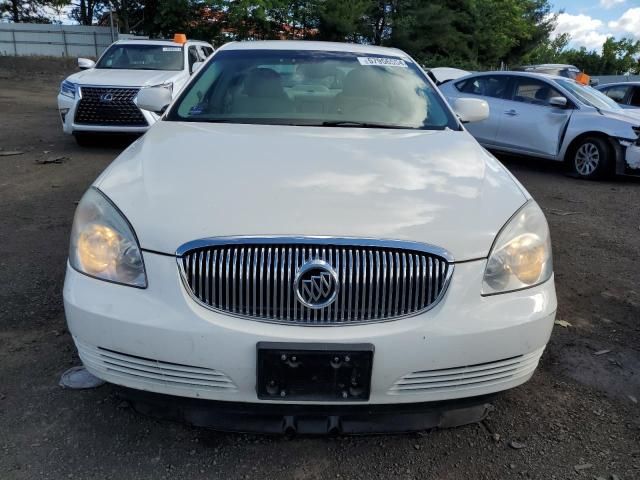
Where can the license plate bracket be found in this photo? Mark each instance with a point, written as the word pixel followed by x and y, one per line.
pixel 314 372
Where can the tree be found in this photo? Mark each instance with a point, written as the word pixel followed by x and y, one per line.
pixel 340 20
pixel 33 11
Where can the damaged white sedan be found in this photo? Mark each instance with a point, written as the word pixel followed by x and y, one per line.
pixel 555 118
pixel 309 240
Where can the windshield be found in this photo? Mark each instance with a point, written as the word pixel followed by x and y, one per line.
pixel 589 96
pixel 142 57
pixel 314 88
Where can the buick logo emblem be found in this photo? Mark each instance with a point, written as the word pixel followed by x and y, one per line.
pixel 316 284
pixel 106 97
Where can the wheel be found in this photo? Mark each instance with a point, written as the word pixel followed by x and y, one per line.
pixel 591 158
pixel 84 139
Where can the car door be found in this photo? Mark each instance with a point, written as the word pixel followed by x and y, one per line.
pixel 491 88
pixel 530 125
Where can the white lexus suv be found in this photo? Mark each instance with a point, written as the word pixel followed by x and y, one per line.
pixel 309 240
pixel 102 97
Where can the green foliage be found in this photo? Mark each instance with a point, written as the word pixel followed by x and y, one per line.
pixel 470 34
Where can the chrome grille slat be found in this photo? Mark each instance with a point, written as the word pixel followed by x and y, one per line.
pixel 254 279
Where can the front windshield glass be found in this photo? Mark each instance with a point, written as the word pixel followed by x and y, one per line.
pixel 589 96
pixel 142 57
pixel 312 88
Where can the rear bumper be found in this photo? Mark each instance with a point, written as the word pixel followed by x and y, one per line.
pixel 309 419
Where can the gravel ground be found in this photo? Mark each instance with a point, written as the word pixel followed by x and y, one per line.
pixel 577 418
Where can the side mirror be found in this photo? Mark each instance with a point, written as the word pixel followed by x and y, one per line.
pixel 471 109
pixel 85 63
pixel 196 66
pixel 154 99
pixel 560 102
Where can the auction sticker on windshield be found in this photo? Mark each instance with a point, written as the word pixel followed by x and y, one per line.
pixel 382 61
pixel 171 49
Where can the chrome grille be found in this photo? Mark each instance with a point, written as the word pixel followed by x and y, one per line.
pixel 254 278
pixel 119 110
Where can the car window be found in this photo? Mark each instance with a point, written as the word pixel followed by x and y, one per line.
pixel 142 57
pixel 486 85
pixel 635 98
pixel 314 88
pixel 617 93
pixel 207 51
pixel 193 56
pixel 533 91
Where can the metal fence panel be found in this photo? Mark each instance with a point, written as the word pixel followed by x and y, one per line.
pixel 604 79
pixel 54 40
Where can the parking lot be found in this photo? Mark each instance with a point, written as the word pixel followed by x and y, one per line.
pixel 577 418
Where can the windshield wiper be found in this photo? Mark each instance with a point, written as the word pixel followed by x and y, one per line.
pixel 347 124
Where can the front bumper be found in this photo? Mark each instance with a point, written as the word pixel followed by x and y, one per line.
pixel 67 110
pixel 158 339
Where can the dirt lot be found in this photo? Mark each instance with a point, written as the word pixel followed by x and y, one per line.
pixel 577 418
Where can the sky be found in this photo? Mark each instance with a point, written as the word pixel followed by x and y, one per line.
pixel 590 22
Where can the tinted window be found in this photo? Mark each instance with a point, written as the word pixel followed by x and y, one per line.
pixel 193 56
pixel 312 88
pixel 536 92
pixel 486 85
pixel 142 57
pixel 635 98
pixel 207 51
pixel 617 93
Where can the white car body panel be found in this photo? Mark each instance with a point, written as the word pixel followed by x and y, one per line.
pixel 393 185
pixel 546 131
pixel 163 322
pixel 102 77
pixel 185 181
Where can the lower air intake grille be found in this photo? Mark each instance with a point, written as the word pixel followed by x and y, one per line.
pixel 152 372
pixel 315 281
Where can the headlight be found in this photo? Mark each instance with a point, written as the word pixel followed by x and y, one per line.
pixel 103 244
pixel 68 89
pixel 521 254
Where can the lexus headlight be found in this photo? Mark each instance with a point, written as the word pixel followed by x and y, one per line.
pixel 521 254
pixel 68 89
pixel 103 244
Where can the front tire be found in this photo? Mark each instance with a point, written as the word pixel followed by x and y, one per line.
pixel 591 158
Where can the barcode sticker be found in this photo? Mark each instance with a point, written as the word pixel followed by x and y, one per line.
pixel 382 62
pixel 171 49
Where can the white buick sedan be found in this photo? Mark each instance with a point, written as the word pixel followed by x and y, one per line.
pixel 309 240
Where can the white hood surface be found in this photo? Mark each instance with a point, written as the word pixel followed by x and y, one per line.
pixel 185 181
pixel 123 78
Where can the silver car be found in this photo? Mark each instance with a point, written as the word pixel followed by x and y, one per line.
pixel 555 118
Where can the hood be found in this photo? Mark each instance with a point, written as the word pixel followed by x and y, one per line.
pixel 185 181
pixel 123 78
pixel 624 115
